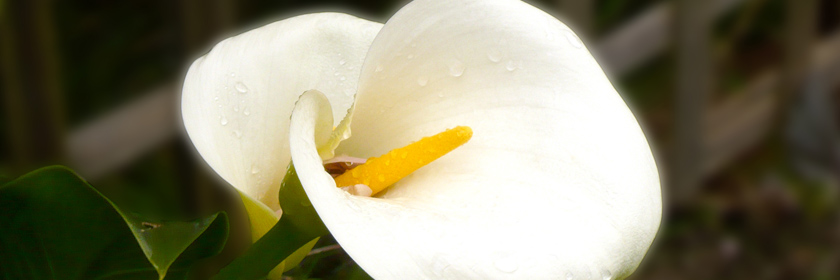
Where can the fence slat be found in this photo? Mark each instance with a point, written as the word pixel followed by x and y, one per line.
pixel 693 86
pixel 741 121
pixel 644 37
pixel 32 86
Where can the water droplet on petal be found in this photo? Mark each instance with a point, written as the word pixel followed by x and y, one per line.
pixel 240 87
pixel 223 120
pixel 410 57
pixel 494 55
pixel 247 112
pixel 232 74
pixel 237 133
pixel 216 98
pixel 456 68
pixel 381 177
pixel 422 80
pixel 510 66
pixel 342 78
pixel 570 276
pixel 379 68
pixel 342 62
pixel 573 39
pixel 606 275
pixel 255 169
pixel 305 203
pixel 236 108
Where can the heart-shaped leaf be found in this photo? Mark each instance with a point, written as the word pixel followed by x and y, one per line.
pixel 54 225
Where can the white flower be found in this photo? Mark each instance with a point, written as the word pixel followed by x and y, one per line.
pixel 557 181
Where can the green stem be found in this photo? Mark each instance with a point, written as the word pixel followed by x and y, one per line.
pixel 299 225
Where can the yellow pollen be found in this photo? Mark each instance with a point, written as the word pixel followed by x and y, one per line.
pixel 398 163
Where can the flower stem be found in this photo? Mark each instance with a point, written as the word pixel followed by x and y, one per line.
pixel 298 225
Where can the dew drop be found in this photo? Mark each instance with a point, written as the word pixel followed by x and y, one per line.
pixel 240 87
pixel 342 62
pixel 410 57
pixel 232 74
pixel 336 74
pixel 216 98
pixel 342 78
pixel 422 80
pixel 404 154
pixel 506 265
pixel 606 275
pixel 494 55
pixel 573 39
pixel 223 120
pixel 510 66
pixel 237 133
pixel 355 173
pixel 255 169
pixel 247 112
pixel 305 203
pixel 236 108
pixel 456 68
pixel 379 68
pixel 381 177
pixel 569 276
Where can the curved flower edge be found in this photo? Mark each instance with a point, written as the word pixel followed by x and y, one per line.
pixel 557 156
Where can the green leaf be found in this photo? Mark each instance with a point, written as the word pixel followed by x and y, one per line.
pixel 163 242
pixel 290 239
pixel 54 225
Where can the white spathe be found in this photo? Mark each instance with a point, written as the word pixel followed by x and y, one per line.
pixel 557 182
pixel 237 99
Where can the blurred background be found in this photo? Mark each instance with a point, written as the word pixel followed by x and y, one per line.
pixel 737 97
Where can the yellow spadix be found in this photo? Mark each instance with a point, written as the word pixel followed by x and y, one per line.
pixel 380 172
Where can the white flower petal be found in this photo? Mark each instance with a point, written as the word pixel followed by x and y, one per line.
pixel 558 179
pixel 237 99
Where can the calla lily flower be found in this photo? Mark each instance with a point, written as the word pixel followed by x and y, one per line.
pixel 558 180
